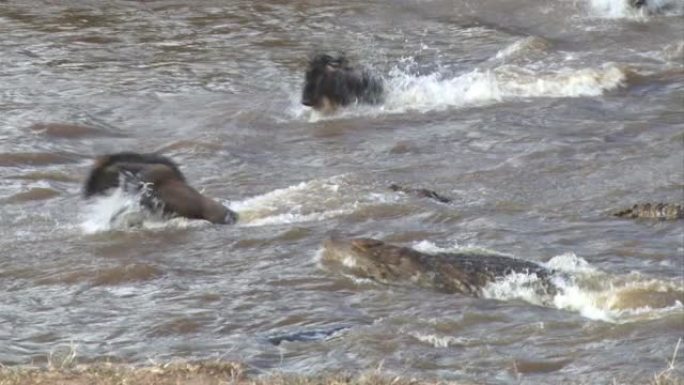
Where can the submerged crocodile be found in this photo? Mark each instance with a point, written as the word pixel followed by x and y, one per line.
pixel 461 272
pixel 420 192
pixel 665 211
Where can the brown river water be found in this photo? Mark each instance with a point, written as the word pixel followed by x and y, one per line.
pixel 539 118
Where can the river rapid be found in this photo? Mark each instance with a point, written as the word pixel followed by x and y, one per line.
pixel 539 118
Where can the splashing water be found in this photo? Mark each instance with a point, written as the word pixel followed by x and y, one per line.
pixel 406 91
pixel 309 201
pixel 613 9
pixel 306 201
pixel 618 9
pixel 121 210
pixel 524 48
pixel 583 288
pixel 440 341
pixel 431 92
pixel 313 200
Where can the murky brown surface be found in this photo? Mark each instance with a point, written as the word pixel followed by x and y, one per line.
pixel 538 119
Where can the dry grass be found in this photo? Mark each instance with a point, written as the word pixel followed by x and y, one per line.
pixel 202 373
pixel 210 373
pixel 62 370
pixel 668 376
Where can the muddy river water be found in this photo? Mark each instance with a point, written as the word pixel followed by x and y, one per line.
pixel 539 118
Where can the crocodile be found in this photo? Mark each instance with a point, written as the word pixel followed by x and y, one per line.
pixel 664 211
pixel 458 272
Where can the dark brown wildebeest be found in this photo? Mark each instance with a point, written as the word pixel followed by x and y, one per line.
pixel 162 186
pixel 331 82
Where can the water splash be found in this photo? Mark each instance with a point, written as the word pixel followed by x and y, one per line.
pixel 121 210
pixel 306 201
pixel 613 9
pixel 440 341
pixel 525 48
pixel 314 200
pixel 583 288
pixel 619 9
pixel 431 248
pixel 407 91
pixel 526 287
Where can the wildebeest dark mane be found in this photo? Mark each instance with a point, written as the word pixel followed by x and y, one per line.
pixel 322 59
pixel 333 81
pixel 101 179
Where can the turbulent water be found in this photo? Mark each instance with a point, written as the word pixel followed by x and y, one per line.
pixel 538 118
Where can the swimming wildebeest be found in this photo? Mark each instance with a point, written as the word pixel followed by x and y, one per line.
pixel 655 7
pixel 664 211
pixel 465 273
pixel 331 82
pixel 160 182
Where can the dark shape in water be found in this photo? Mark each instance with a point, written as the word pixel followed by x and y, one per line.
pixel 331 82
pixel 664 211
pixel 465 273
pixel 655 7
pixel 163 186
pixel 420 192
pixel 20 159
pixel 68 130
pixel 306 335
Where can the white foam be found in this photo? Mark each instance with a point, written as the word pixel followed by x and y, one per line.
pixel 297 193
pixel 290 218
pixel 592 293
pixel 582 288
pixel 613 9
pixel 524 47
pixel 349 262
pixel 515 286
pixel 583 301
pixel 431 248
pixel 618 9
pixel 309 201
pixel 440 341
pixel 122 211
pixel 313 200
pixel 406 91
pixel 100 211
pixel 570 263
pixel 614 300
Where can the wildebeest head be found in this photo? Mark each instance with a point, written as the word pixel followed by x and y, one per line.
pixel 160 183
pixel 321 83
pixel 331 82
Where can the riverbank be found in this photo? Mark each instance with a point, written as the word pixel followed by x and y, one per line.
pixel 203 373
pixel 218 373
